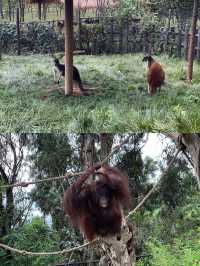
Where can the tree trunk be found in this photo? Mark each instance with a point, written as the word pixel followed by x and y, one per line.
pixel 88 150
pixel 192 41
pixel 106 144
pixel 192 144
pixel 9 208
pixel 119 250
pixel 2 220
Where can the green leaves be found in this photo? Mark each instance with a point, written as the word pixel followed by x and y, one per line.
pixel 35 37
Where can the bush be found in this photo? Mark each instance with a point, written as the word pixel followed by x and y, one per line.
pixel 36 237
pixel 35 38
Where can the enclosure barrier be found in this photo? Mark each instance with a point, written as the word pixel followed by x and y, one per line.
pixel 96 35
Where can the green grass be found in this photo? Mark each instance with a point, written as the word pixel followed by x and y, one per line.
pixel 119 104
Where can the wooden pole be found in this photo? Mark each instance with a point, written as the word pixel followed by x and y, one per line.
pixel 68 29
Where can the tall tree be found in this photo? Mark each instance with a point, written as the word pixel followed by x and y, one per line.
pixel 52 156
pixel 192 145
pixel 11 161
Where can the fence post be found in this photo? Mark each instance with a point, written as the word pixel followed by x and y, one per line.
pixel 186 42
pixel 146 43
pixel 0 49
pixel 198 45
pixel 179 43
pixel 121 37
pixel 79 27
pixel 18 32
pixel 112 32
pixel 127 34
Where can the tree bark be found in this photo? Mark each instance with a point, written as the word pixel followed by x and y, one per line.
pixel 106 144
pixel 9 169
pixel 119 250
pixel 192 144
pixel 88 150
pixel 9 209
pixel 192 41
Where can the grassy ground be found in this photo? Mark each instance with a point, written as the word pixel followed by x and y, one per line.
pixel 119 104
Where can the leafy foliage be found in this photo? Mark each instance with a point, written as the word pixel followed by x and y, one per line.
pixel 35 38
pixel 34 236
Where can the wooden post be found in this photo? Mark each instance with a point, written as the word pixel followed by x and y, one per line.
pixel 18 33
pixel 68 47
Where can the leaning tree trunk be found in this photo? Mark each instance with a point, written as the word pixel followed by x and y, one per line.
pixel 192 144
pixel 192 41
